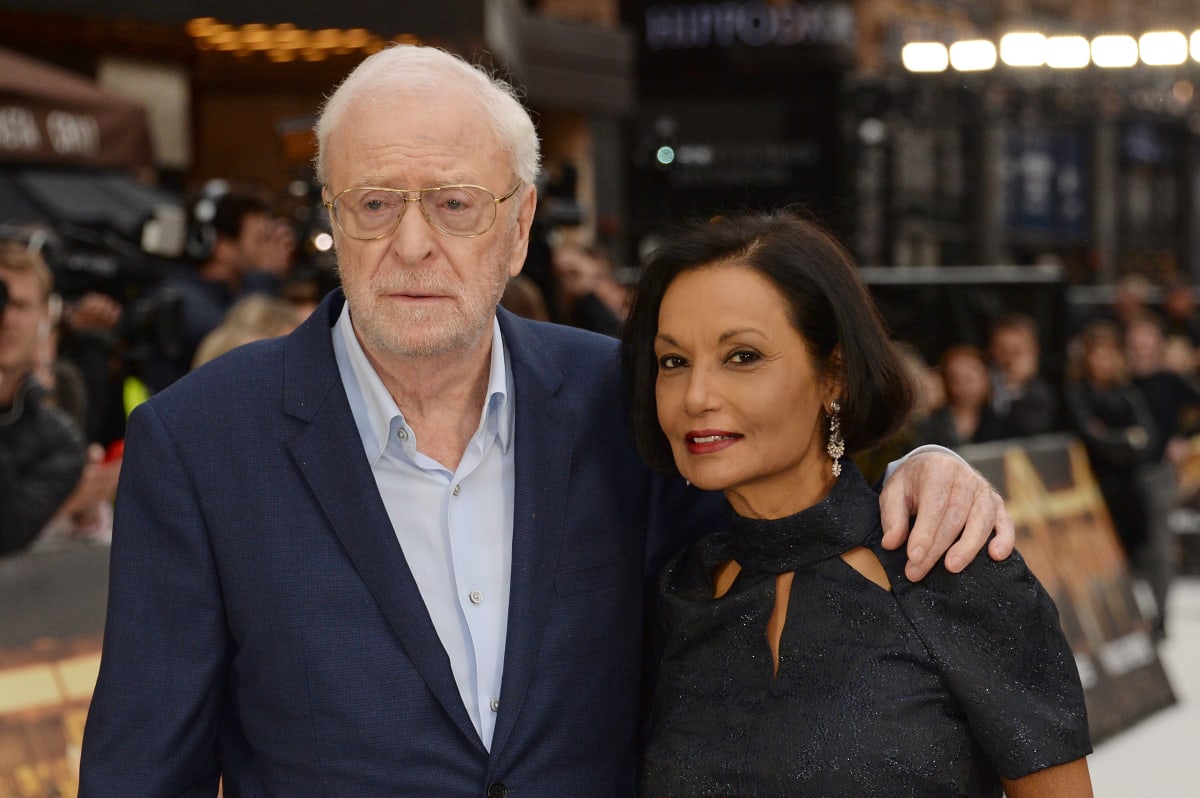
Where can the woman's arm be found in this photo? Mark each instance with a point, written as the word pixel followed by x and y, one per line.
pixel 1068 780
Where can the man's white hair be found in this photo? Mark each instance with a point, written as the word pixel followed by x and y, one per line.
pixel 406 67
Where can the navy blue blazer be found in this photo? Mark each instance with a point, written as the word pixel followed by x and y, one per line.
pixel 263 626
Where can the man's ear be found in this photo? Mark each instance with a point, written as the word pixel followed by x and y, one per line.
pixel 525 211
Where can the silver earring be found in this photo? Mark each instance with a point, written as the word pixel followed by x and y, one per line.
pixel 836 446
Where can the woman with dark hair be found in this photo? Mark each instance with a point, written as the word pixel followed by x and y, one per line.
pixel 795 657
pixel 966 416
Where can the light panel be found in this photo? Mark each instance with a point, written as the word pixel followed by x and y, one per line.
pixel 1114 52
pixel 973 55
pixel 1068 52
pixel 925 57
pixel 1163 48
pixel 1023 49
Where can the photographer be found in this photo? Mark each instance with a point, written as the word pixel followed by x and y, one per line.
pixel 239 247
pixel 41 450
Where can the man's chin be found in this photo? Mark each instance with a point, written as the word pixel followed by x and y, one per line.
pixel 429 340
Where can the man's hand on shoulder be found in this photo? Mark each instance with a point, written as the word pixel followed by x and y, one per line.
pixel 956 511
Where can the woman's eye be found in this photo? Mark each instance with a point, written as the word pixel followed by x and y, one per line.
pixel 744 356
pixel 668 362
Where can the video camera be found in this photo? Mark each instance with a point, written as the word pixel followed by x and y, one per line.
pixel 87 261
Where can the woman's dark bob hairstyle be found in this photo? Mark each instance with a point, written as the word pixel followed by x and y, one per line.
pixel 830 308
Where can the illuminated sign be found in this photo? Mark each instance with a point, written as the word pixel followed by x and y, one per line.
pixel 752 24
pixel 66 134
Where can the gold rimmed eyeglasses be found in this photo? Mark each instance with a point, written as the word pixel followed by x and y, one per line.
pixel 367 213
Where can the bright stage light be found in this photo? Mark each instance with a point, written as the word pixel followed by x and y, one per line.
pixel 1163 48
pixel 925 57
pixel 1067 52
pixel 973 56
pixel 1023 49
pixel 1114 52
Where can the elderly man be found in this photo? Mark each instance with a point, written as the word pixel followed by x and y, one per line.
pixel 402 551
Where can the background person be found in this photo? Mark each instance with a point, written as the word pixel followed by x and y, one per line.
pixel 1180 316
pixel 401 551
pixel 1022 402
pixel 242 249
pixel 588 293
pixel 251 318
pixel 966 416
pixel 1174 404
pixel 1111 417
pixel 757 361
pixel 41 449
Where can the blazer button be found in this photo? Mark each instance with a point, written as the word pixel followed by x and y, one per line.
pixel 497 790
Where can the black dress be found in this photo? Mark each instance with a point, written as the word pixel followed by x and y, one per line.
pixel 931 689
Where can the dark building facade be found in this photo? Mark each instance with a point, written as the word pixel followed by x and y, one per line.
pixel 739 105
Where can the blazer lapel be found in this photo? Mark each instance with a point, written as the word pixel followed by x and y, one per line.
pixel 328 452
pixel 542 448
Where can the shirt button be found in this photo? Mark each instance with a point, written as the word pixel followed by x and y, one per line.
pixel 495 705
pixel 402 434
pixel 497 790
pixel 457 489
pixel 476 597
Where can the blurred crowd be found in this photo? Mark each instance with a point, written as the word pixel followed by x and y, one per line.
pixel 1130 391
pixel 73 366
pixel 74 363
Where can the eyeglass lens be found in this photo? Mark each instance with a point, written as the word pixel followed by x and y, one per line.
pixel 458 210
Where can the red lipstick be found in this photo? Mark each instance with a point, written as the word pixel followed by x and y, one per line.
pixel 710 441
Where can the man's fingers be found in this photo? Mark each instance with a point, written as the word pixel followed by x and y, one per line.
pixel 956 510
pixel 1005 539
pixel 975 531
pixel 895 512
pixel 919 558
pixel 933 534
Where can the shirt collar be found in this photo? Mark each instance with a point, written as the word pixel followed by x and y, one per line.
pixel 374 409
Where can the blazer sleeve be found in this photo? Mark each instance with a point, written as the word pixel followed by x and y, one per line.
pixel 994 634
pixel 154 720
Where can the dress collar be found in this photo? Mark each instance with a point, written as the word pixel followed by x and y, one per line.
pixel 846 518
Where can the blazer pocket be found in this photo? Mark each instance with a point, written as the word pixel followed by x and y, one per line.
pixel 616 572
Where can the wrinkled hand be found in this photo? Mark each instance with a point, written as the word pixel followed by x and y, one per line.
pixel 956 510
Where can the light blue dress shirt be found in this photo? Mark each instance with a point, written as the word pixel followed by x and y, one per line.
pixel 455 527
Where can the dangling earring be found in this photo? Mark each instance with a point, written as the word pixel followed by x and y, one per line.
pixel 836 446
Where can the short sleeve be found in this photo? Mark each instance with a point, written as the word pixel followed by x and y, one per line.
pixel 993 631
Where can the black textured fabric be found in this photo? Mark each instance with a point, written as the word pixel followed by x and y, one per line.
pixel 41 460
pixel 932 689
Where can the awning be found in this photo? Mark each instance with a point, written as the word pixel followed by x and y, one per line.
pixel 94 205
pixel 50 115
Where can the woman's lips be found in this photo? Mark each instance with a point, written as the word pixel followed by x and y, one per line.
pixel 710 441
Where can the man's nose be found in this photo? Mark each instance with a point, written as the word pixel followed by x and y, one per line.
pixel 413 238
